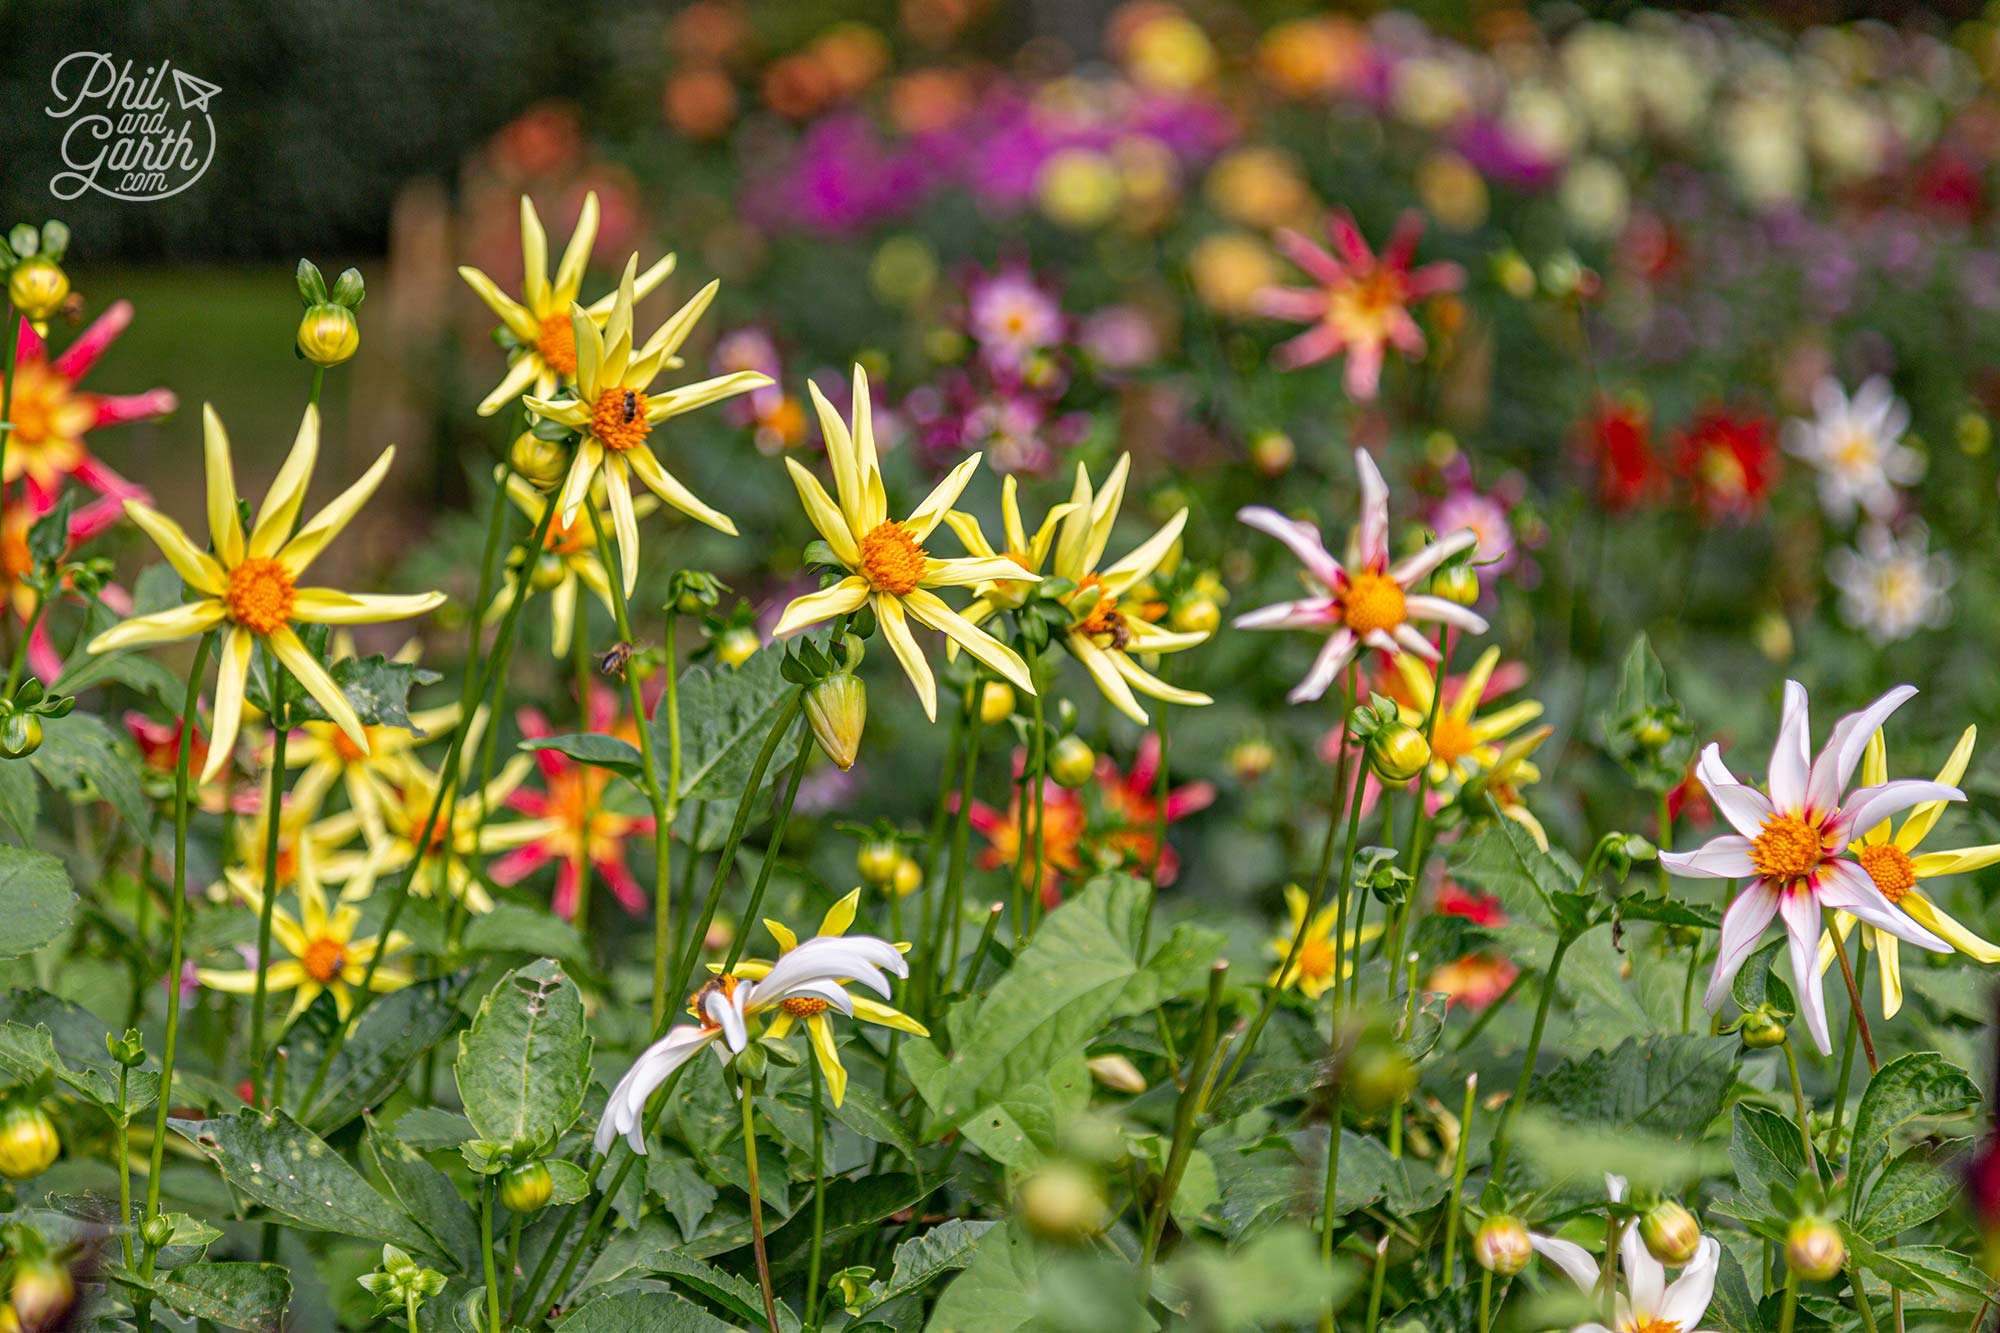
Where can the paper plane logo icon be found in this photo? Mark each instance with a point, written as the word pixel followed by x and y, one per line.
pixel 193 92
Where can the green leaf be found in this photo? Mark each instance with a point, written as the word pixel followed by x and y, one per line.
pixel 1732 1307
pixel 524 1065
pixel 641 1312
pixel 739 1296
pixel 391 1035
pixel 48 538
pixel 1669 1087
pixel 922 1260
pixel 1755 983
pixel 1266 1182
pixel 427 1195
pixel 1920 1086
pixel 682 1188
pixel 20 799
pixel 27 1053
pixel 1503 860
pixel 35 901
pixel 1767 1153
pixel 1912 1189
pixel 1277 1280
pixel 285 1167
pixel 1956 1278
pixel 513 928
pixel 853 1208
pixel 596 749
pixel 1255 1091
pixel 999 1290
pixel 83 759
pixel 862 1111
pixel 725 714
pixel 1642 692
pixel 1016 1071
pixel 234 1295
pixel 378 689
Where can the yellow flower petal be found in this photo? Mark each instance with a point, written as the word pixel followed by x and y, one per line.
pixel 968 570
pixel 873 1011
pixel 526 370
pixel 576 255
pixel 305 667
pixel 225 529
pixel 664 484
pixel 288 491
pixel 667 339
pixel 929 609
pixel 180 622
pixel 516 317
pixel 624 523
pixel 821 1033
pixel 841 915
pixel 1147 683
pixel 232 671
pixel 847 483
pixel 896 629
pixel 838 600
pixel 1923 818
pixel 826 517
pixel 327 524
pixel 676 402
pixel 925 518
pixel 576 485
pixel 1144 558
pixel 1925 912
pixel 867 464
pixel 1104 670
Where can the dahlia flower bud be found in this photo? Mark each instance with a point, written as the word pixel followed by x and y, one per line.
pixel 541 463
pixel 1501 1245
pixel 526 1186
pixel 1814 1249
pixel 1457 583
pixel 1398 752
pixel 28 1141
pixel 42 1293
pixel 996 702
pixel 1062 1201
pixel 37 287
pixel 1671 1234
pixel 1072 762
pixel 837 710
pixel 1117 1073
pixel 328 334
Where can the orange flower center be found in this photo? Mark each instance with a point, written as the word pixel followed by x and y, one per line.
pixel 803 1006
pixel 556 344
pixel 891 559
pixel 347 751
pixel 1889 866
pixel 1372 602
pixel 1362 308
pixel 1650 1326
pixel 1316 959
pixel 1788 848
pixel 1451 739
pixel 323 958
pixel 16 559
pixel 260 595
pixel 619 420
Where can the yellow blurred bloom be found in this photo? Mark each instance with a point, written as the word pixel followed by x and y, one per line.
pixel 325 955
pixel 616 415
pixel 568 563
pixel 540 320
pixel 887 564
pixel 464 834
pixel 1462 741
pixel 1311 974
pixel 816 1011
pixel 1229 268
pixel 1889 855
pixel 250 584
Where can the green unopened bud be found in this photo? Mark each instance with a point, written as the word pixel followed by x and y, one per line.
pixel 1197 615
pixel 876 861
pixel 37 287
pixel 1501 1245
pixel 158 1233
pixel 1062 1201
pixel 328 334
pixel 837 709
pixel 1117 1073
pixel 28 1141
pixel 1398 752
pixel 128 1050
pixel 42 1294
pixel 20 736
pixel 1457 583
pixel 1814 1249
pixel 1671 1234
pixel 525 1187
pixel 1377 1074
pixel 1072 761
pixel 996 702
pixel 541 463
pixel 737 645
pixel 1762 1029
pixel 909 877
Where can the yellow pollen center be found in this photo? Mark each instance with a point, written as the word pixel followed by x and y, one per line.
pixel 1788 848
pixel 619 420
pixel 1889 866
pixel 803 1006
pixel 1316 959
pixel 260 596
pixel 1372 602
pixel 556 344
pixel 323 958
pixel 347 750
pixel 891 559
pixel 1650 1326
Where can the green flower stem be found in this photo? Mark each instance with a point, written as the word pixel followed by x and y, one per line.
pixel 1504 1139
pixel 663 815
pixel 819 1197
pixel 580 666
pixel 1318 896
pixel 757 1206
pixel 780 822
pixel 1854 1022
pixel 684 973
pixel 979 952
pixel 961 835
pixel 1853 997
pixel 1409 1026
pixel 1485 1300
pixel 274 685
pixel 1456 1199
pixel 1186 1110
pixel 1375 1284
pixel 410 1310
pixel 1490 1012
pixel 663 898
pixel 486 1194
pixel 1860 1292
pixel 1330 1190
pixel 1788 1314
pixel 120 1134
pixel 1420 821
pixel 1799 1100
pixel 21 644
pixel 513 1261
pixel 1159 822
pixel 176 930
pixel 934 845
pixel 1341 961
pixel 447 779
pixel 1030 799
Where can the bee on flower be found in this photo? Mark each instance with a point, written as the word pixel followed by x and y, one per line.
pixel 1361 303
pixel 1366 601
pixel 326 954
pixel 888 567
pixel 1890 858
pixel 543 352
pixel 1789 845
pixel 812 1003
pixel 616 414
pixel 248 585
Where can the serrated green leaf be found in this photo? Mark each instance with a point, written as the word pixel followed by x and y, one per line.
pixel 726 712
pixel 646 1311
pixel 388 1039
pixel 426 1194
pixel 253 1297
pixel 596 749
pixel 35 901
pixel 82 758
pixel 1920 1086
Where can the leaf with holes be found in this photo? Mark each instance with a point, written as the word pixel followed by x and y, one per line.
pixel 524 1064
